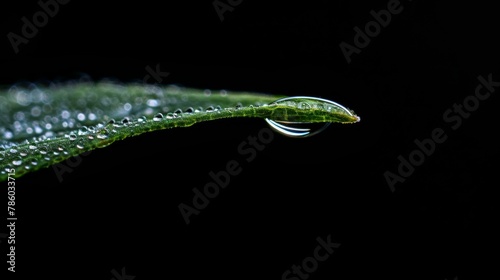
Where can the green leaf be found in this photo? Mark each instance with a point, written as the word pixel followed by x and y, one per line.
pixel 41 126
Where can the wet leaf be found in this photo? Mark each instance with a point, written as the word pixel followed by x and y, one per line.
pixel 43 125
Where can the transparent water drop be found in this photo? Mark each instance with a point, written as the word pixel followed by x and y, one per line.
pixel 302 129
pixel 80 144
pixel 304 105
pixel 8 134
pixel 19 116
pixel 148 111
pixel 158 117
pixel 72 136
pixel 17 161
pixel 65 114
pixel 23 152
pixel 38 130
pixel 210 109
pixel 153 103
pixel 43 150
pixel 178 111
pixel 103 134
pixel 125 121
pixel 81 116
pixel 190 110
pixel 127 107
pixel 83 130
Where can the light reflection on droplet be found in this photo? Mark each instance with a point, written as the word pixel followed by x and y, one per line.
pixel 8 134
pixel 36 111
pixel 17 161
pixel 153 103
pixel 81 116
pixel 158 117
pixel 65 114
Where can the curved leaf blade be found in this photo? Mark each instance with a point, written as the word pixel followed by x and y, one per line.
pixel 41 126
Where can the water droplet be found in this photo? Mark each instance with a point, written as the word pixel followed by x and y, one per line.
pixel 148 111
pixel 80 116
pixel 17 161
pixel 297 129
pixel 65 114
pixel 125 121
pixel 170 116
pixel 83 130
pixel 19 116
pixel 190 110
pixel 23 152
pixel 72 136
pixel 43 150
pixel 209 109
pixel 38 130
pixel 238 106
pixel 80 144
pixel 178 111
pixel 8 134
pixel 158 117
pixel 303 129
pixel 103 134
pixel 127 106
pixel 153 103
pixel 304 105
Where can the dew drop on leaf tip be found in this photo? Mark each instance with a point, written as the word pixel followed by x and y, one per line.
pixel 306 129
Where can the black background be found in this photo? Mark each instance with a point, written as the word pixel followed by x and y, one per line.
pixel 119 207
